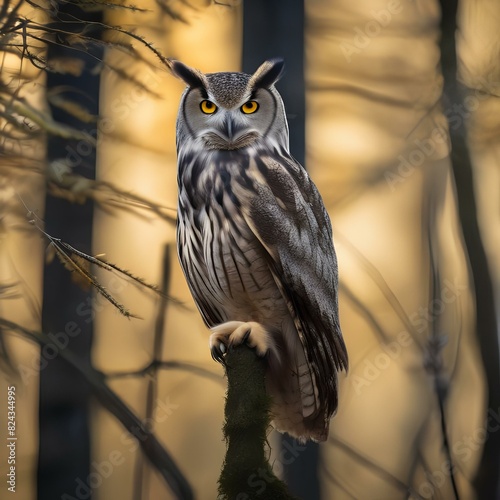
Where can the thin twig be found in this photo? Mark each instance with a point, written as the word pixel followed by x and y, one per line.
pixel 370 464
pixel 64 250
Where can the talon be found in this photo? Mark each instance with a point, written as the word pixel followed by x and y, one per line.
pixel 218 354
pixel 234 333
pixel 245 337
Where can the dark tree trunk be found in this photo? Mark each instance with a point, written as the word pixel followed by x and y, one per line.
pixel 486 482
pixel 64 399
pixel 276 29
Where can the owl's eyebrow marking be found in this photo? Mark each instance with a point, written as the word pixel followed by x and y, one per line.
pixel 275 107
pixel 184 113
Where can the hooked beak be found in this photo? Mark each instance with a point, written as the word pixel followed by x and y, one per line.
pixel 229 128
pixel 229 135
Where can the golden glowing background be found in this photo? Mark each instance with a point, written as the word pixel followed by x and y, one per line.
pixel 377 145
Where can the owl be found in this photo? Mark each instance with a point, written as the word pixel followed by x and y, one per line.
pixel 255 242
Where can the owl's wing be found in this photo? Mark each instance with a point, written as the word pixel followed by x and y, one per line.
pixel 190 252
pixel 288 217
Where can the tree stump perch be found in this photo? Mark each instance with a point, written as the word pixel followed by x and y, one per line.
pixel 246 473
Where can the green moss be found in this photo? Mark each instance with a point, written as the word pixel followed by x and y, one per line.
pixel 246 473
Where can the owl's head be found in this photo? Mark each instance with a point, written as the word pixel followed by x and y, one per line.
pixel 229 111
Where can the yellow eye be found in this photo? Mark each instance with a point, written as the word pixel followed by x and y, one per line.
pixel 208 107
pixel 250 107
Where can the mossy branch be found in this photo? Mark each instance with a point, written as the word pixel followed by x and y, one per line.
pixel 246 473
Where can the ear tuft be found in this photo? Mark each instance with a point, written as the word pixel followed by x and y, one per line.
pixel 192 77
pixel 267 74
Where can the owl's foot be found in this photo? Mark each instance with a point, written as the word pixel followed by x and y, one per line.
pixel 234 333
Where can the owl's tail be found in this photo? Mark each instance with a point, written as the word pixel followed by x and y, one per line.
pixel 296 407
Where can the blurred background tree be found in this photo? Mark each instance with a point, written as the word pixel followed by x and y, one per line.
pixel 393 112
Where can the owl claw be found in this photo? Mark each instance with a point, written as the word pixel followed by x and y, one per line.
pixel 234 333
pixel 218 352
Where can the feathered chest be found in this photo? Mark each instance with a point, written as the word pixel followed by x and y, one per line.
pixel 208 177
pixel 212 191
pixel 224 262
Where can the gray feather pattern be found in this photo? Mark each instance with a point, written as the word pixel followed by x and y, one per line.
pixel 255 244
